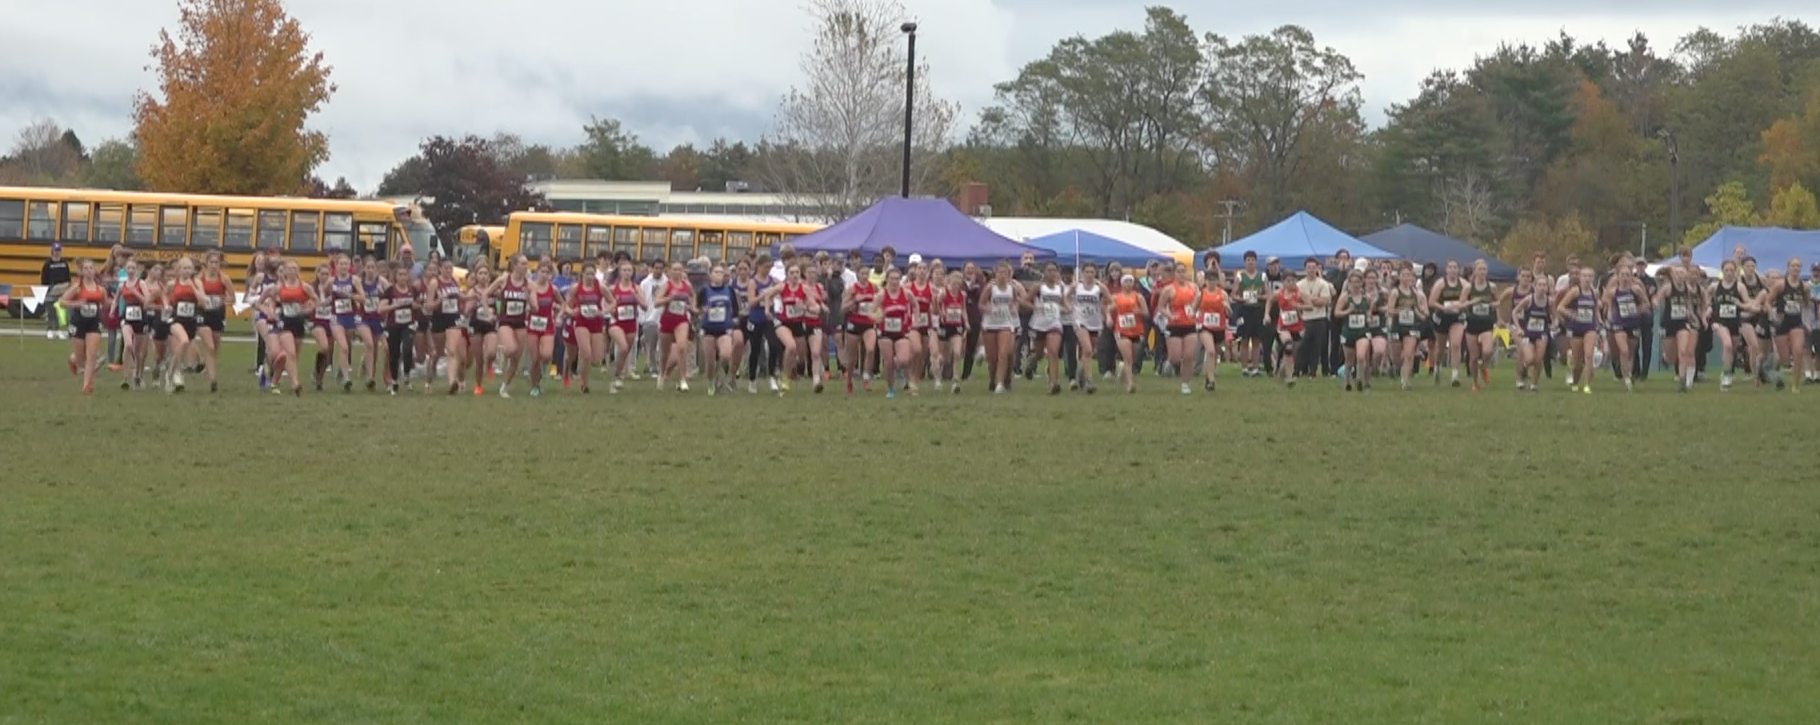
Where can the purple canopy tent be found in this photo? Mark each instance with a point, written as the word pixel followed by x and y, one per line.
pixel 930 227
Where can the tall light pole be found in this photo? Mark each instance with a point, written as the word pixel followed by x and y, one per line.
pixel 1674 185
pixel 909 102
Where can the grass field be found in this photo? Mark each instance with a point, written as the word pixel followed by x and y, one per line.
pixel 1255 556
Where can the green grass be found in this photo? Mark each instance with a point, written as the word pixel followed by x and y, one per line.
pixel 1259 555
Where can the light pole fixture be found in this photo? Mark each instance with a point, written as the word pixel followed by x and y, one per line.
pixel 909 102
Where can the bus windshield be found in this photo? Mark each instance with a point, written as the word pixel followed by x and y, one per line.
pixel 423 237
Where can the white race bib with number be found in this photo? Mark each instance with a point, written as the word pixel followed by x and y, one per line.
pixel 1728 310
pixel 370 305
pixel 135 313
pixel 922 319
pixel 1677 311
pixel 676 307
pixel 401 316
pixel 484 313
pixel 793 311
pixel 1406 317
pixel 186 309
pixel 1481 310
pixel 1290 317
pixel 627 312
pixel 1051 310
pixel 211 302
pixel 717 314
pixel 1537 324
pixel 953 317
pixel 344 306
pixel 451 306
pixel 539 323
pixel 89 309
pixel 515 307
pixel 1791 307
pixel 1583 316
pixel 894 324
pixel 1127 321
pixel 1210 320
pixel 1355 321
pixel 1627 309
pixel 590 311
pixel 1251 296
pixel 291 309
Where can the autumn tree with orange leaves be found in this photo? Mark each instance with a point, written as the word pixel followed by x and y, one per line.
pixel 236 86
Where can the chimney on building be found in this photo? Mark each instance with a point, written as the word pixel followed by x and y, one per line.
pixel 974 200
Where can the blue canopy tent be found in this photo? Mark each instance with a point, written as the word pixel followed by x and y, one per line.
pixel 1300 237
pixel 1093 249
pixel 1772 246
pixel 930 227
pixel 1422 246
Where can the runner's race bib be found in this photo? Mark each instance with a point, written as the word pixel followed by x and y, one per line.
pixel 212 302
pixel 291 309
pixel 717 314
pixel 676 307
pixel 1537 324
pixel 401 316
pixel 1210 320
pixel 627 312
pixel 894 325
pixel 1127 321
pixel 515 307
pixel 135 313
pixel 922 319
pixel 186 309
pixel 539 323
pixel 344 307
pixel 1728 311
pixel 484 313
pixel 1355 321
pixel 89 309
pixel 1406 317
pixel 953 317
pixel 1583 316
pixel 1481 310
pixel 1627 309
pixel 1251 296
pixel 1677 311
pixel 451 306
pixel 1290 317
pixel 370 305
pixel 590 311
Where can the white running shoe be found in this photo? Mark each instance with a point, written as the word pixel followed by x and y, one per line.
pixel 752 387
pixel 503 393
pixel 774 383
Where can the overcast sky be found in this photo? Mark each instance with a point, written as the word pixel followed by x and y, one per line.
pixel 689 70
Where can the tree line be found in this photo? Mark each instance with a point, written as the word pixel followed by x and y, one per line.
pixel 1564 146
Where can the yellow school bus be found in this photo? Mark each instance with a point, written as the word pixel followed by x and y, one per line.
pixel 90 222
pixel 574 236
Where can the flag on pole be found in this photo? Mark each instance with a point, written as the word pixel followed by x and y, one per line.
pixel 35 301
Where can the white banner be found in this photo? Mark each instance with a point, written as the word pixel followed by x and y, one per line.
pixel 35 301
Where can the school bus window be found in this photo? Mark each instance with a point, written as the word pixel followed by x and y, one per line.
pixel 625 239
pixel 599 241
pixel 110 223
pixel 173 226
pixel 372 238
pixel 568 242
pixel 534 239
pixel 767 240
pixel 75 222
pixel 40 221
pixel 738 242
pixel 654 241
pixel 205 227
pixel 141 225
pixel 239 234
pixel 271 230
pixel 337 231
pixel 682 244
pixel 304 225
pixel 711 245
pixel 12 218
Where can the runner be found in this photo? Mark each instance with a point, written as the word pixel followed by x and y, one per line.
pixel 1125 316
pixel 1408 310
pixel 953 331
pixel 1215 315
pixel 677 299
pixel 398 307
pixel 897 316
pixel 585 305
pixel 860 308
pixel 718 303
pixel 1046 320
pixel 85 299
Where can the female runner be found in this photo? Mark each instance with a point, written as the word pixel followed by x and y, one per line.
pixel 1286 307
pixel 1757 332
pixel 446 335
pixel 1378 322
pixel 1531 305
pixel 1408 308
pixel 999 300
pixel 294 300
pixel 1626 304
pixel 262 274
pixel 398 307
pixel 818 337
pixel 85 299
pixel 742 278
pixel 1679 324
pixel 1126 317
pixel 922 323
pixel 512 289
pixel 157 308
pixel 133 321
pixel 217 293
pixel 677 299
pixel 1177 294
pixel 897 319
pixel 345 298
pixel 586 304
pixel 1579 306
pixel 1088 298
pixel 185 298
pixel 952 330
pixel 1215 314
pixel 1788 300
pixel 483 324
pixel 372 322
pixel 1354 315
pixel 793 320
pixel 1448 300
pixel 1481 316
pixel 1046 322
pixel 761 329
pixel 860 309
pixel 1731 307
pixel 628 303
pixel 323 319
pixel 718 302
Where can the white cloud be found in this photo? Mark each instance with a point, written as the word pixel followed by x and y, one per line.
pixel 690 70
